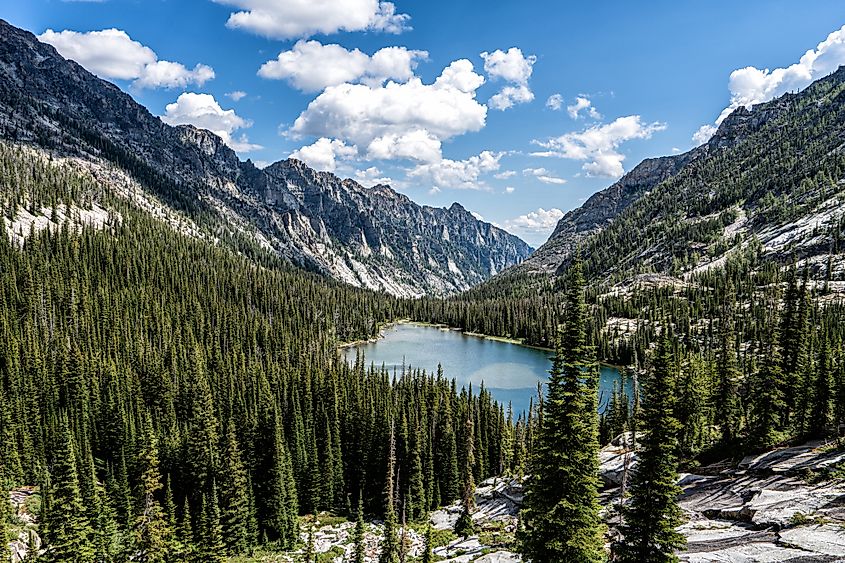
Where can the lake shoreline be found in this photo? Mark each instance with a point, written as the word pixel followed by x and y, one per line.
pixel 441 326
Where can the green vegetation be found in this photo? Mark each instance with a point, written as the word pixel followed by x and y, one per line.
pixel 175 400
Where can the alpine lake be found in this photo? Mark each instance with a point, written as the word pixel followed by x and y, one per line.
pixel 510 371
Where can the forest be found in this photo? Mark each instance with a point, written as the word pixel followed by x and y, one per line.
pixel 176 401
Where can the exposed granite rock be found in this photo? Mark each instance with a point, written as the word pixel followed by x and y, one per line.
pixel 370 237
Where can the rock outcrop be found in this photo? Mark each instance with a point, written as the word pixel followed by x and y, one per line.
pixel 371 237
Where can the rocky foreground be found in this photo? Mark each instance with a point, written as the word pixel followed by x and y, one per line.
pixel 787 505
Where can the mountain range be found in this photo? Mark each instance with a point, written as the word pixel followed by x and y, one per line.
pixel 771 180
pixel 371 237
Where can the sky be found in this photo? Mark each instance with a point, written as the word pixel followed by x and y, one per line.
pixel 517 110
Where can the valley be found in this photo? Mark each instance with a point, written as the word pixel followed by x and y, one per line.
pixel 207 360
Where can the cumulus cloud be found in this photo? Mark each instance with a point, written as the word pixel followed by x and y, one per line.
pixel 555 102
pixel 505 174
pixel 112 54
pixel 751 85
pixel 457 174
pixel 514 67
pixel 398 120
pixel 203 111
pixel 598 146
pixel 311 66
pixel 582 104
pixel 302 18
pixel 324 153
pixel 237 95
pixel 510 190
pixel 535 222
pixel 543 175
pixel 371 176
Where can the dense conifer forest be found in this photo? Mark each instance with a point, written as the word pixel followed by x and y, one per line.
pixel 177 402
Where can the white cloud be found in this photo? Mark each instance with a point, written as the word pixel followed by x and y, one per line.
pixel 555 102
pixel 511 66
pixel 534 222
pixel 458 174
pixel 509 96
pixel 750 85
pixel 203 111
pixel 324 153
pixel 372 176
pixel 703 134
pixel 311 66
pixel 504 175
pixel 598 145
pixel 237 95
pixel 543 175
pixel 290 19
pixel 510 190
pixel 582 104
pixel 112 54
pixel 398 120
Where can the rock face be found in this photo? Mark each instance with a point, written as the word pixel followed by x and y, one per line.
pixel 770 176
pixel 759 510
pixel 600 209
pixel 370 237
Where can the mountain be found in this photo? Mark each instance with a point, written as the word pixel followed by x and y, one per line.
pixel 772 178
pixel 369 237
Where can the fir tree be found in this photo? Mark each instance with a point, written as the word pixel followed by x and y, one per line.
pixel 68 531
pixel 390 543
pixel 358 536
pixel 464 526
pixel 561 511
pixel 652 514
pixel 150 530
pixel 234 498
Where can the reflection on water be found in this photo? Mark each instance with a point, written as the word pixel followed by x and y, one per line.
pixel 511 372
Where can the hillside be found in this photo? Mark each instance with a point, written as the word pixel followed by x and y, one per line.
pixel 372 238
pixel 774 174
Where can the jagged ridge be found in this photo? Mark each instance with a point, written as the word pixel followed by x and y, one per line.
pixel 374 238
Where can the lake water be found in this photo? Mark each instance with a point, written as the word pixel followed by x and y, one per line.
pixel 511 372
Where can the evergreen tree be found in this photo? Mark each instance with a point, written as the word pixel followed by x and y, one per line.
pixel 727 412
pixel 212 548
pixel 390 543
pixel 561 511
pixel 822 392
pixel 428 553
pixel 68 531
pixel 234 497
pixel 464 526
pixel 358 536
pixel 151 533
pixel 652 514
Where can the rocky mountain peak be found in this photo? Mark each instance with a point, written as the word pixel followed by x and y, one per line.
pixel 374 238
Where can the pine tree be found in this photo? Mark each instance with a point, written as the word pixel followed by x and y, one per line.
pixel 390 543
pixel 211 545
pixel 652 515
pixel 234 498
pixel 820 415
pixel 150 530
pixel 68 530
pixel 767 402
pixel 358 535
pixel 464 526
pixel 428 554
pixel 727 411
pixel 561 511
pixel 417 498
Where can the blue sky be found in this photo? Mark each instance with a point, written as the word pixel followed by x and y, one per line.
pixel 485 134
